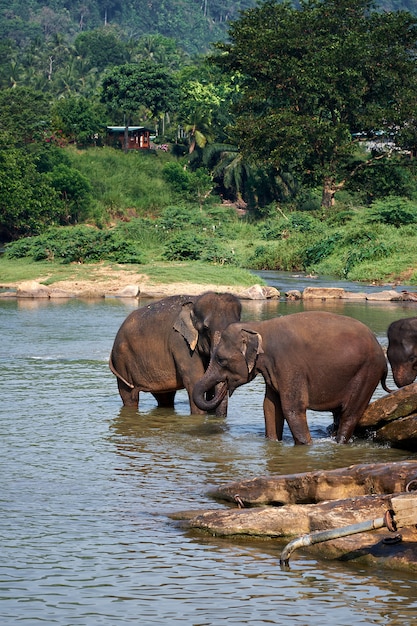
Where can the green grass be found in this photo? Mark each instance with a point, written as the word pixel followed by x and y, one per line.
pixel 13 271
pixel 122 183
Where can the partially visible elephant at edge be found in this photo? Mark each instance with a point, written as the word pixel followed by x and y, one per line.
pixel 166 346
pixel 402 350
pixel 311 360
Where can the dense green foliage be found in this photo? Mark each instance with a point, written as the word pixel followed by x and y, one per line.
pixel 316 80
pixel 290 147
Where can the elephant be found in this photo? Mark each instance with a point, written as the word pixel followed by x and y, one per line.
pixel 166 346
pixel 309 360
pixel 402 350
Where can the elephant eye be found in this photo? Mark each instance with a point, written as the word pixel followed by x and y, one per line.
pixel 221 361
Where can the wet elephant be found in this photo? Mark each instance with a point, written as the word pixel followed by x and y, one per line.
pixel 166 346
pixel 311 360
pixel 402 350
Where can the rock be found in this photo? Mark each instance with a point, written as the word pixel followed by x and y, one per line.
pixel 388 296
pixel 409 296
pixel 293 294
pixel 323 293
pixel 258 292
pixel 354 295
pixel 397 404
pixel 60 293
pixel 130 291
pixel 400 433
pixel 32 289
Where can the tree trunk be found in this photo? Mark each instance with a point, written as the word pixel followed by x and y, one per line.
pixel 329 190
pixel 313 487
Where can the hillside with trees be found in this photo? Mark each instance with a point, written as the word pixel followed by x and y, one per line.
pixel 300 117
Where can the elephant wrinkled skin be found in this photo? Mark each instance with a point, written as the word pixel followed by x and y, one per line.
pixel 311 360
pixel 402 350
pixel 166 346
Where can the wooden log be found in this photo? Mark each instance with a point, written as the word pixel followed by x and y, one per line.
pixel 377 548
pixel 291 519
pixel 317 486
pixel 404 508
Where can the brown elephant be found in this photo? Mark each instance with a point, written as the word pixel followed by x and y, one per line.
pixel 402 350
pixel 166 346
pixel 311 360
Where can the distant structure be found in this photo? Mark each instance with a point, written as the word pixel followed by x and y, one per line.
pixel 138 137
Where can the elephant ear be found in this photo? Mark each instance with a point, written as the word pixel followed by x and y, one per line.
pixel 251 346
pixel 184 325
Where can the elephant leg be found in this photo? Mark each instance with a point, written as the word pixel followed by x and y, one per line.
pixel 129 396
pixel 358 395
pixel 294 409
pixel 165 400
pixel 274 417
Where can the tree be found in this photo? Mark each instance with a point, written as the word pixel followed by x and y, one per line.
pixel 128 88
pixel 28 203
pixel 315 80
pixel 24 113
pixel 78 118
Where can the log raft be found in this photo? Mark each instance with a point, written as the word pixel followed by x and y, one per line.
pixel 284 507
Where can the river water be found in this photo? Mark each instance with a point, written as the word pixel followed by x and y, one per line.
pixel 88 488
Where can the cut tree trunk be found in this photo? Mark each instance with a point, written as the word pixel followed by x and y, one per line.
pixel 320 485
pixel 320 501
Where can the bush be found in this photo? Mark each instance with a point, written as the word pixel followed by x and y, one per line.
pixel 79 244
pixel 185 247
pixel 175 218
pixel 394 211
pixel 74 190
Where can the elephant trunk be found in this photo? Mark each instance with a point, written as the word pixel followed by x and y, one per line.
pixel 202 388
pixel 402 375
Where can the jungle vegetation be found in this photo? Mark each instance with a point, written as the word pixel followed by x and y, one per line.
pixel 288 144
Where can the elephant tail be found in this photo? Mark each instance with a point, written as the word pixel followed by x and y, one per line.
pixel 384 381
pixel 116 373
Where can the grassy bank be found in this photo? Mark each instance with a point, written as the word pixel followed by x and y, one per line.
pixel 19 270
pixel 149 223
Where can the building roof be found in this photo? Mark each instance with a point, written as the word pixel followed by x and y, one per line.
pixel 121 129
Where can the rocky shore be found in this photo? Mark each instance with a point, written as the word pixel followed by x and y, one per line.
pixel 141 287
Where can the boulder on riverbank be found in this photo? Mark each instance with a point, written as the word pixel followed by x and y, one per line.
pixel 392 419
pixel 128 287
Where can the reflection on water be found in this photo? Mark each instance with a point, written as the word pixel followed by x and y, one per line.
pixel 87 488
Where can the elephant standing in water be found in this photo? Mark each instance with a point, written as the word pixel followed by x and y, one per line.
pixel 402 350
pixel 166 346
pixel 311 360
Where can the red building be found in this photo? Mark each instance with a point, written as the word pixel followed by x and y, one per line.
pixel 138 137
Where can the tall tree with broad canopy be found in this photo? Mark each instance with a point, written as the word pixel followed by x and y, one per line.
pixel 316 79
pixel 145 85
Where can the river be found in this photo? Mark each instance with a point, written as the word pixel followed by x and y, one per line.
pixel 88 487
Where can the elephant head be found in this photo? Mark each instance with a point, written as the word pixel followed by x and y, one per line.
pixel 202 320
pixel 402 350
pixel 233 363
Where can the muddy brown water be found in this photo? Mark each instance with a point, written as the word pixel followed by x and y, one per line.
pixel 87 488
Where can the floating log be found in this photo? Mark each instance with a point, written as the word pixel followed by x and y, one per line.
pixel 320 485
pixel 317 502
pixel 402 513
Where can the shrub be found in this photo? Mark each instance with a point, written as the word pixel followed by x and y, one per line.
pixel 394 211
pixel 79 244
pixel 186 246
pixel 74 190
